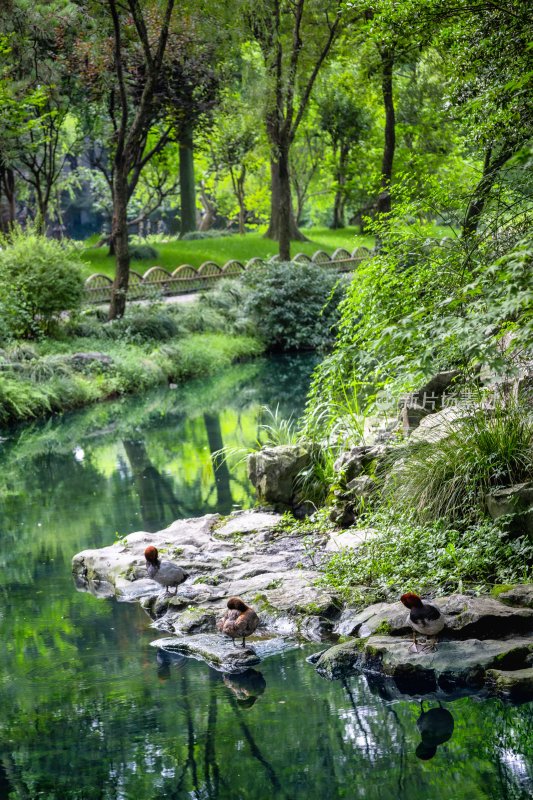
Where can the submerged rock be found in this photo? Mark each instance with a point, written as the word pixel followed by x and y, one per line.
pixel 515 685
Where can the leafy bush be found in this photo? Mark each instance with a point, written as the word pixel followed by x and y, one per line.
pixel 143 325
pixel 204 354
pixel 429 558
pixel 449 478
pixel 293 306
pixel 39 279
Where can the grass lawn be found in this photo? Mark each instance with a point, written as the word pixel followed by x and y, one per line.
pixel 239 246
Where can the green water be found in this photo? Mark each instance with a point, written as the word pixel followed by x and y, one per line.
pixel 87 709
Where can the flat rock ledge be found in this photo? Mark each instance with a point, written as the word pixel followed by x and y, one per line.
pixel 246 554
pixel 220 655
pixel 486 645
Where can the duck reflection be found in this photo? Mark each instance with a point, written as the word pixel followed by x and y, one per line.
pixel 165 661
pixel 435 727
pixel 246 686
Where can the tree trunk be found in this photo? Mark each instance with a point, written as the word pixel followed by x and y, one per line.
pixel 284 208
pixel 340 195
pixel 242 216
pixel 42 211
pixel 383 205
pixel 210 211
pixel 275 200
pixel 338 210
pixel 187 186
pixel 119 235
pixel 7 187
pixel 241 199
pixel 482 190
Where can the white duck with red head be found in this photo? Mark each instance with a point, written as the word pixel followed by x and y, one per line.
pixel 165 573
pixel 424 618
pixel 238 621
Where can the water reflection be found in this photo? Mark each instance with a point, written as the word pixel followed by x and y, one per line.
pixel 167 662
pixel 89 711
pixel 246 686
pixel 435 727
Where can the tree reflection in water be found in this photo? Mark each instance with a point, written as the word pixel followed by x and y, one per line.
pixel 87 712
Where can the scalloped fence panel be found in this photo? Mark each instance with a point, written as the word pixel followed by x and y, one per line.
pixel 185 279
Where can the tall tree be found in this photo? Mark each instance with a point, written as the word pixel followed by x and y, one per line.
pixel 190 84
pixel 123 61
pixel 295 37
pixel 344 120
pixel 37 96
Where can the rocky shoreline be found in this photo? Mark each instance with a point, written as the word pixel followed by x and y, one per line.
pixel 487 643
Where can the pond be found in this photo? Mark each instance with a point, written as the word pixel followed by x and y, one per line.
pixel 89 709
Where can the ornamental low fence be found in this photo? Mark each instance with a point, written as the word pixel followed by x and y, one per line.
pixel 185 279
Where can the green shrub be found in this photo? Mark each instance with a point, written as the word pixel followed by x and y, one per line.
pixel 449 478
pixel 144 325
pixel 206 354
pixel 143 252
pixel 197 318
pixel 293 306
pixel 39 279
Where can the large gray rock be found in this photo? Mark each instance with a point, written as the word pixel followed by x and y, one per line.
pixel 466 618
pixel 439 384
pixel 350 539
pixel 411 417
pixel 244 523
pixel 84 361
pixel 353 462
pixel 437 426
pixel 455 664
pixel 521 595
pixel 427 400
pixel 273 471
pixel 516 500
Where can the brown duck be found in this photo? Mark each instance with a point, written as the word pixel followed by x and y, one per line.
pixel 238 621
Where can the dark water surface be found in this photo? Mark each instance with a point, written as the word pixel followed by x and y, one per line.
pixel 87 710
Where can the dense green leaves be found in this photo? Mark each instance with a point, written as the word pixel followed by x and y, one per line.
pixel 39 279
pixel 293 306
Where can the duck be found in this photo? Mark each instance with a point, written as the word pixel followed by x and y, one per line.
pixel 424 618
pixel 435 727
pixel 166 573
pixel 238 621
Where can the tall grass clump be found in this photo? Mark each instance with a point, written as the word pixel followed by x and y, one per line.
pixel 338 418
pixel 449 477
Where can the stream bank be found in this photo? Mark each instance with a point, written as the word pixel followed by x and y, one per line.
pixel 487 642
